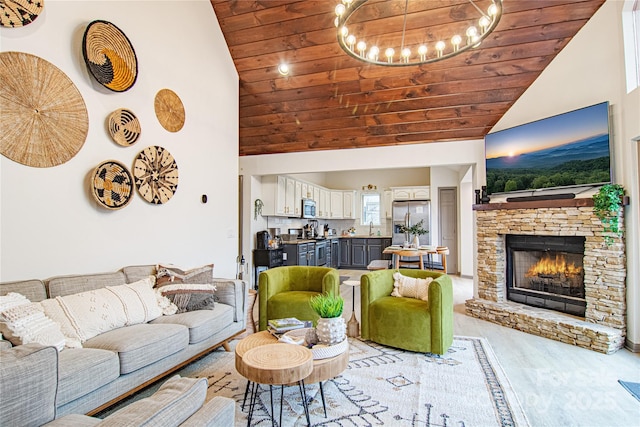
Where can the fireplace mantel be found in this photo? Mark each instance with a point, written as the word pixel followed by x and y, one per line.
pixel 558 203
pixel 604 326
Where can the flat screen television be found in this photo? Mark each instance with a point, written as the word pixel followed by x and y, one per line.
pixel 560 152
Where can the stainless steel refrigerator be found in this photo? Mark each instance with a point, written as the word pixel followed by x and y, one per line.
pixel 409 213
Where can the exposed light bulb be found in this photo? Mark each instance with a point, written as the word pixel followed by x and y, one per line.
pixel 455 41
pixel 484 23
pixel 351 41
pixel 362 47
pixel 344 31
pixel 440 47
pixel 373 53
pixel 493 10
pixel 405 54
pixel 340 9
pixel 389 54
pixel 422 51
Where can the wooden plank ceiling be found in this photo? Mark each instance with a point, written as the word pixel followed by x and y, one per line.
pixel 332 101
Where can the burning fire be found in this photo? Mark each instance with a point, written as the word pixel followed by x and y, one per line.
pixel 549 266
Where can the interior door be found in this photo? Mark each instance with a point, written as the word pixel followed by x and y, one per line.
pixel 448 224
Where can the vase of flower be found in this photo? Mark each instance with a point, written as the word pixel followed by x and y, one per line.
pixel 331 327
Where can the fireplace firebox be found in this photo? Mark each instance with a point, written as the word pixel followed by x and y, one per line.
pixel 547 272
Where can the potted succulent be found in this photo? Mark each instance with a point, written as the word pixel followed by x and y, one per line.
pixel 331 328
pixel 607 204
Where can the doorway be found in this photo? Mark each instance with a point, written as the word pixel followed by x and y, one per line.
pixel 448 225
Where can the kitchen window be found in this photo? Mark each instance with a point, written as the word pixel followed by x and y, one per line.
pixel 370 208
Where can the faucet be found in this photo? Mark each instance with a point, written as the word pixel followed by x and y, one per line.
pixel 371 228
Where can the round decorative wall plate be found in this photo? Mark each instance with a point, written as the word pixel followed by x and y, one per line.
pixel 112 185
pixel 169 110
pixel 18 13
pixel 109 56
pixel 124 127
pixel 44 120
pixel 156 175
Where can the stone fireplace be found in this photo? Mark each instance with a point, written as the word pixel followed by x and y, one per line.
pixel 595 317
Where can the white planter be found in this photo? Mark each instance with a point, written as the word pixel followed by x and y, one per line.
pixel 331 331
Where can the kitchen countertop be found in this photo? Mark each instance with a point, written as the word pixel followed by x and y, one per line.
pixel 357 236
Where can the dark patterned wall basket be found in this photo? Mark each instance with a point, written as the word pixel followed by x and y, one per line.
pixel 43 120
pixel 169 110
pixel 112 185
pixel 109 56
pixel 124 127
pixel 156 175
pixel 18 13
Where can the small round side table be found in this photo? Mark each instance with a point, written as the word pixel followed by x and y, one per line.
pixel 353 327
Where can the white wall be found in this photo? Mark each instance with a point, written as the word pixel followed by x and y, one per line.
pixel 49 223
pixel 589 70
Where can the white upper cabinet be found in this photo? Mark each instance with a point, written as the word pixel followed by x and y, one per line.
pixel 297 198
pixel 324 207
pixel 411 193
pixel 387 204
pixel 336 204
pixel 348 204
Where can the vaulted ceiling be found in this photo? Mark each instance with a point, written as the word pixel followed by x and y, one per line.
pixel 331 101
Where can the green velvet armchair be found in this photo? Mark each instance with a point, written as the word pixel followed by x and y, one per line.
pixel 407 323
pixel 285 291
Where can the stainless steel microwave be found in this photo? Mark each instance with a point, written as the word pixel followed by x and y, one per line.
pixel 308 208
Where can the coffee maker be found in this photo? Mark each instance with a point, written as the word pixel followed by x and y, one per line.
pixel 263 240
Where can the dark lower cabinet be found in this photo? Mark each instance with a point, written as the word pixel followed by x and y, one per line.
pixel 300 253
pixel 358 253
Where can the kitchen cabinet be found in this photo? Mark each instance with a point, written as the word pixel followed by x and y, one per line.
pixel 335 253
pixel 336 204
pixel 316 194
pixel 358 253
pixel 387 204
pixel 348 204
pixel 325 203
pixel 278 196
pixel 300 253
pixel 304 189
pixel 345 253
pixel 411 193
pixel 297 198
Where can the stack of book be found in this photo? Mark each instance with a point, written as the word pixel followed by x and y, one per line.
pixel 280 326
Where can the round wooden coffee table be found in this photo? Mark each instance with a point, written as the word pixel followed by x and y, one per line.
pixel 323 369
pixel 276 364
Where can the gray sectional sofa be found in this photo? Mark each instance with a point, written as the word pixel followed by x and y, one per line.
pixel 115 364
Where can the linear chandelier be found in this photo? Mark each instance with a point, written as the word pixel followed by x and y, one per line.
pixel 424 45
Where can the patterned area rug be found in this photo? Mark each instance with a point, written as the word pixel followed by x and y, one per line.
pixel 384 386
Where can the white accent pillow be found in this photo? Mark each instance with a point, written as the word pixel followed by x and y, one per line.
pixel 24 322
pixel 138 300
pixel 83 316
pixel 411 287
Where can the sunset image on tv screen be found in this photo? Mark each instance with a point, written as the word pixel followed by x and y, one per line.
pixel 569 149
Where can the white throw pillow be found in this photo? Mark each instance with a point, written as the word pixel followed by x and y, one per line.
pixel 411 287
pixel 24 322
pixel 138 300
pixel 87 314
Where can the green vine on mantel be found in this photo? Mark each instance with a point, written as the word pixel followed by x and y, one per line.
pixel 607 204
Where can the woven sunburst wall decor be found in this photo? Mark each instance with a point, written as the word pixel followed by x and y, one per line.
pixel 109 56
pixel 112 185
pixel 43 120
pixel 124 127
pixel 156 175
pixel 18 13
pixel 169 110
